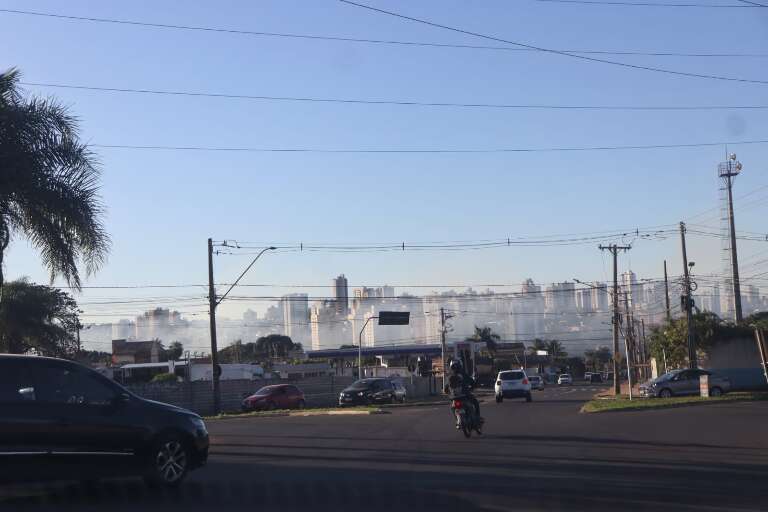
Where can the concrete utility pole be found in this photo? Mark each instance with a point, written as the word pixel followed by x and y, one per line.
pixel 687 301
pixel 212 315
pixel 614 249
pixel 442 343
pixel 629 342
pixel 727 171
pixel 666 292
pixel 213 302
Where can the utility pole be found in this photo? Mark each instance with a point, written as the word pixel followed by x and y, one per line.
pixel 666 292
pixel 442 343
pixel 727 171
pixel 628 342
pixel 646 360
pixel 614 249
pixel 687 301
pixel 214 350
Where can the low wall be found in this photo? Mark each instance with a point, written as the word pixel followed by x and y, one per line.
pixel 197 396
pixel 739 360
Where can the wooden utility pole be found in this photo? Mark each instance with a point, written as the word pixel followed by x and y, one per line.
pixel 214 349
pixel 666 292
pixel 687 302
pixel 614 249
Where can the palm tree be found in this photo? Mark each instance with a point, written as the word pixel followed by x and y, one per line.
pixel 487 336
pixel 49 184
pixel 39 318
pixel 556 350
pixel 538 344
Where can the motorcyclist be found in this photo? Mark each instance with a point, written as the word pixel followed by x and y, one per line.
pixel 460 384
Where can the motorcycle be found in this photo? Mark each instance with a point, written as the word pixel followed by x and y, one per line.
pixel 466 416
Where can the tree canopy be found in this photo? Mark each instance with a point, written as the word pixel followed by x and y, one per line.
pixel 39 319
pixel 669 341
pixel 49 184
pixel 266 347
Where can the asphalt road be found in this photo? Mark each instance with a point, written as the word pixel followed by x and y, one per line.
pixel 542 455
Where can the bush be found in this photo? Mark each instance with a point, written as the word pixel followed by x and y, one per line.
pixel 164 378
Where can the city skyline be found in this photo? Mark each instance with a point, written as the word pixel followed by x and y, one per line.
pixel 576 314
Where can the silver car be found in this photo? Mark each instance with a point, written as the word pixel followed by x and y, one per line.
pixel 684 382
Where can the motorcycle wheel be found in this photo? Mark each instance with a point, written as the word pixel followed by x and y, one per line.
pixel 467 431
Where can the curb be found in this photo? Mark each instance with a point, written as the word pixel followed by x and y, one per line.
pixel 674 405
pixel 305 413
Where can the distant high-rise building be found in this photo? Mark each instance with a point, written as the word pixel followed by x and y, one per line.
pixel 599 294
pixel 560 297
pixel 296 317
pixel 341 295
pixel 250 316
pixel 584 300
pixel 387 292
pixel 124 329
pixel 632 288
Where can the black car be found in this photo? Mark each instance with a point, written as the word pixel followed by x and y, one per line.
pixel 368 391
pixel 60 420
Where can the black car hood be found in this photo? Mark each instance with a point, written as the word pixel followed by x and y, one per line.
pixel 167 407
pixel 354 390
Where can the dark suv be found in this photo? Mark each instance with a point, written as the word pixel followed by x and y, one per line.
pixel 368 391
pixel 60 420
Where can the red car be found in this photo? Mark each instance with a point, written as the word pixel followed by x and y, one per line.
pixel 279 396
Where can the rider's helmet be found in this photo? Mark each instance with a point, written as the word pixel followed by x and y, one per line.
pixel 456 366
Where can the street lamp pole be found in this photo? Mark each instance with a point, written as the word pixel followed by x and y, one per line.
pixel 360 348
pixel 213 303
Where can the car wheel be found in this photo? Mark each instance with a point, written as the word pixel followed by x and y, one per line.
pixel 528 398
pixel 715 392
pixel 169 462
pixel 499 399
pixel 392 399
pixel 402 400
pixel 665 393
pixel 302 404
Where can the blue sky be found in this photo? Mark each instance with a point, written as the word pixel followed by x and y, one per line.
pixel 163 205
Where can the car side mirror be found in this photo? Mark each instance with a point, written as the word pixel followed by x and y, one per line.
pixel 122 398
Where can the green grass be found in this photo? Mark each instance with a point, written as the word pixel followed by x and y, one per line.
pixel 283 412
pixel 638 404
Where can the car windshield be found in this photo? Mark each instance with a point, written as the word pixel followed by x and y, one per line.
pixel 364 383
pixel 294 230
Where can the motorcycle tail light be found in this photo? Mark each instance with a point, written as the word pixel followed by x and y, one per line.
pixel 457 404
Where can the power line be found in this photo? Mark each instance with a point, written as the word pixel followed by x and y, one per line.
pixel 652 4
pixel 380 41
pixel 558 52
pixel 409 103
pixel 423 151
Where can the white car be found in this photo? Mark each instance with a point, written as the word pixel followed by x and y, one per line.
pixel 563 379
pixel 512 384
pixel 537 382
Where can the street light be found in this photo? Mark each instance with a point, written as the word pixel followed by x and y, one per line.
pixel 385 318
pixel 213 303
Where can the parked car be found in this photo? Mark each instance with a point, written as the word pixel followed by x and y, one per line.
pixel 367 392
pixel 564 379
pixel 277 396
pixel 596 378
pixel 588 376
pixel 536 382
pixel 684 382
pixel 512 384
pixel 400 391
pixel 63 421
